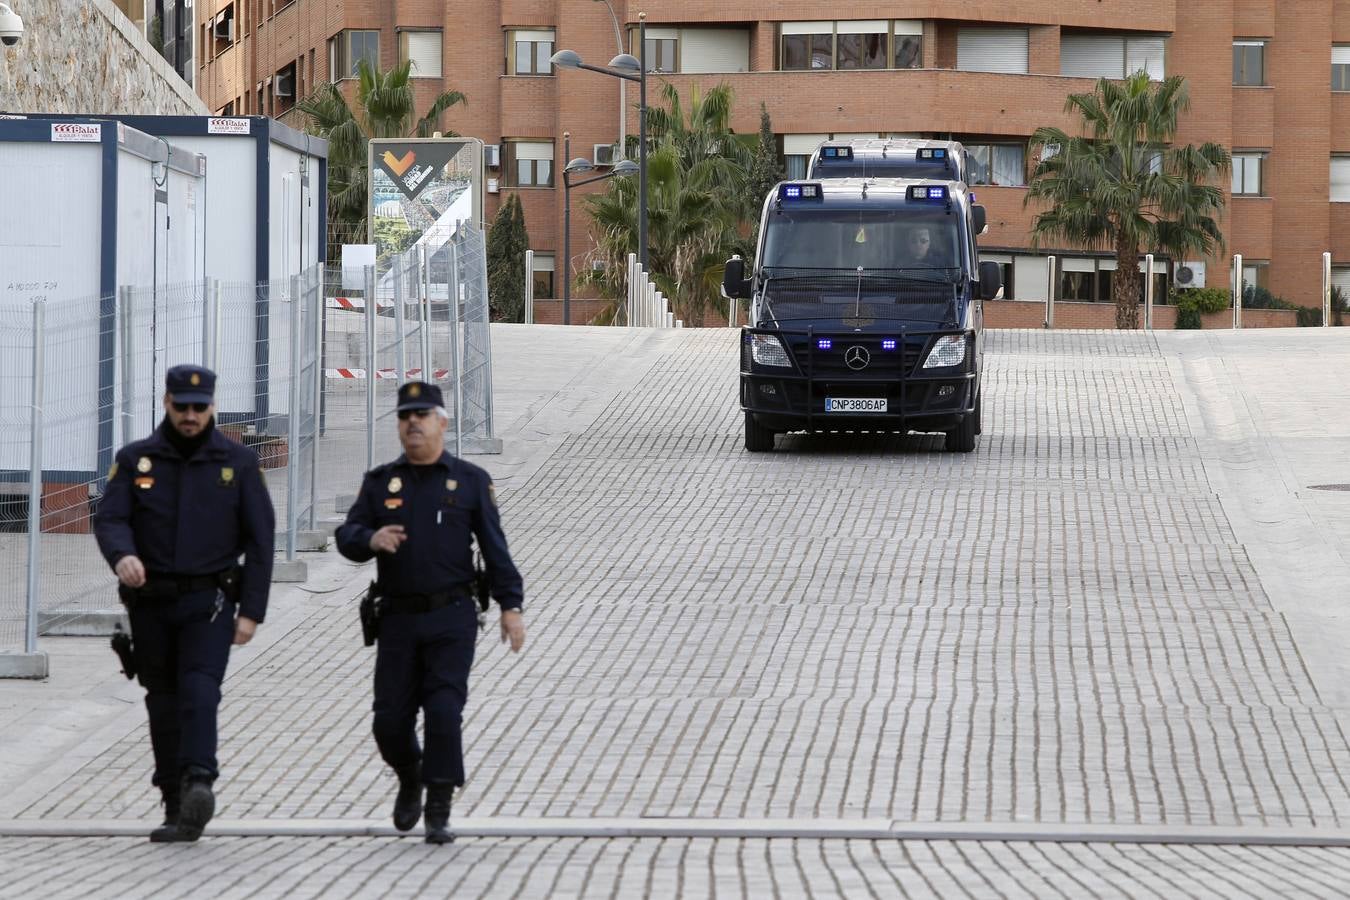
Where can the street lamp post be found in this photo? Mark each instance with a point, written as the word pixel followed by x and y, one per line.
pixel 628 68
pixel 623 85
pixel 576 167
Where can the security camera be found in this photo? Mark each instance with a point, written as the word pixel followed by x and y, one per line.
pixel 11 26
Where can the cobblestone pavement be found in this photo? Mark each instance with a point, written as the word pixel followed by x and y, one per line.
pixel 1062 627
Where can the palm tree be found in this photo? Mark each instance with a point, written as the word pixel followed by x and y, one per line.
pixel 1123 186
pixel 696 203
pixel 383 109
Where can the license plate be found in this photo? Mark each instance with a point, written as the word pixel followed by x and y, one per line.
pixel 855 404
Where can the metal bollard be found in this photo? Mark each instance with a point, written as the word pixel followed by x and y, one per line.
pixel 1326 289
pixel 1148 292
pixel 35 478
pixel 632 283
pixel 529 287
pixel 1050 292
pixel 1237 290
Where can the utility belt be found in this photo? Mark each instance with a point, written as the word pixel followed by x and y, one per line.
pixel 161 587
pixel 375 605
pixel 422 603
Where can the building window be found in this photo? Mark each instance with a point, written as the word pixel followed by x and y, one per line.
pixel 423 49
pixel 1111 56
pixel 851 45
pixel 807 45
pixel 529 52
pixel 1340 179
pixel 998 164
pixel 1247 173
pixel 527 163
pixel 1249 62
pixel 543 276
pixel 908 43
pixel 1340 68
pixel 860 45
pixel 1002 50
pixel 797 149
pixel 346 51
pixel 663 50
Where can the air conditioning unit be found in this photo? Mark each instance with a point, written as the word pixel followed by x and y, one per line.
pixel 492 156
pixel 492 187
pixel 1190 275
pixel 605 154
pixel 224 30
pixel 284 85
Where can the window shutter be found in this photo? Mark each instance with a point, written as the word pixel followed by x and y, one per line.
pixel 802 144
pixel 992 50
pixel 1147 54
pixel 1082 56
pixel 806 28
pixel 533 150
pixel 1340 56
pixel 424 49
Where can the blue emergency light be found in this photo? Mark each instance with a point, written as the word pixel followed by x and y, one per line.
pixel 800 193
pixel 836 152
pixel 888 344
pixel 825 343
pixel 932 153
pixel 928 193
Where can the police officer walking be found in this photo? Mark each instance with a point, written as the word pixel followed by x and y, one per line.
pixel 180 508
pixel 416 517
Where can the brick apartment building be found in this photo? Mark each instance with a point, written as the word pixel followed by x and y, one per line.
pixel 1275 89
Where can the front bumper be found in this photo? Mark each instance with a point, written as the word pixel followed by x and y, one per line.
pixel 917 399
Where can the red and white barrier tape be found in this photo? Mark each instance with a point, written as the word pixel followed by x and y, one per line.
pixel 436 374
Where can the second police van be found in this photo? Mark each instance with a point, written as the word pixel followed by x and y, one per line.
pixel 890 158
pixel 865 310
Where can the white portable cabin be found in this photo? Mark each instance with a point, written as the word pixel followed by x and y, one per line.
pixel 88 206
pixel 267 221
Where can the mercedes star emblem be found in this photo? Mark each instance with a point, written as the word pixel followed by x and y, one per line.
pixel 857 357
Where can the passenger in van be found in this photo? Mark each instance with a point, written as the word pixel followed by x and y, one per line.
pixel 915 252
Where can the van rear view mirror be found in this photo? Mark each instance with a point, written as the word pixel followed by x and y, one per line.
pixel 991 280
pixel 733 279
pixel 980 217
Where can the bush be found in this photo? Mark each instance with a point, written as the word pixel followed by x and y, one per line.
pixel 1257 297
pixel 1308 317
pixel 1193 303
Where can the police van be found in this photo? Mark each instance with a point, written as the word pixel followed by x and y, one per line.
pixel 865 310
pixel 890 158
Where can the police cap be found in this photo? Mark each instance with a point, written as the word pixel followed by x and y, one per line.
pixel 190 384
pixel 419 395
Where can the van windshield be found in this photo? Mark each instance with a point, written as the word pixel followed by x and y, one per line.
pixel 909 238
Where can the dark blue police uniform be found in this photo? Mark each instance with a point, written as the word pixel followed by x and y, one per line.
pixel 429 626
pixel 188 520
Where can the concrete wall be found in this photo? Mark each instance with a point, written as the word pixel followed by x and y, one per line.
pixel 85 56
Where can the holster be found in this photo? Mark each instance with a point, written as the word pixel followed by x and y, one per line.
pixel 369 610
pixel 121 644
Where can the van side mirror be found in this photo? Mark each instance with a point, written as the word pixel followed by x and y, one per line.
pixel 981 219
pixel 991 280
pixel 733 279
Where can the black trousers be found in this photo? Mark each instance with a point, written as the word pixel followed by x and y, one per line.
pixel 181 647
pixel 422 660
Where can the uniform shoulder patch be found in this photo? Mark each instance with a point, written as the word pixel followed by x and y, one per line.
pixel 112 471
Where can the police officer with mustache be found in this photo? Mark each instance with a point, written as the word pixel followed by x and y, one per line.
pixel 417 516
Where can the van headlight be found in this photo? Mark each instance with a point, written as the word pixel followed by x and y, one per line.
pixel 768 350
pixel 947 352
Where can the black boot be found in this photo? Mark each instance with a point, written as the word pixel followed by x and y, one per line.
pixel 408 803
pixel 197 806
pixel 168 832
pixel 437 818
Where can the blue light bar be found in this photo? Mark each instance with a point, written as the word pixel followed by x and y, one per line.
pixel 932 153
pixel 825 343
pixel 836 152
pixel 800 193
pixel 888 344
pixel 935 192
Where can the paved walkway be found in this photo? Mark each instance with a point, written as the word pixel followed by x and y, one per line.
pixel 1125 610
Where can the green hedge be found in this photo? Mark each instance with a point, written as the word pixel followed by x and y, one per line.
pixel 1193 303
